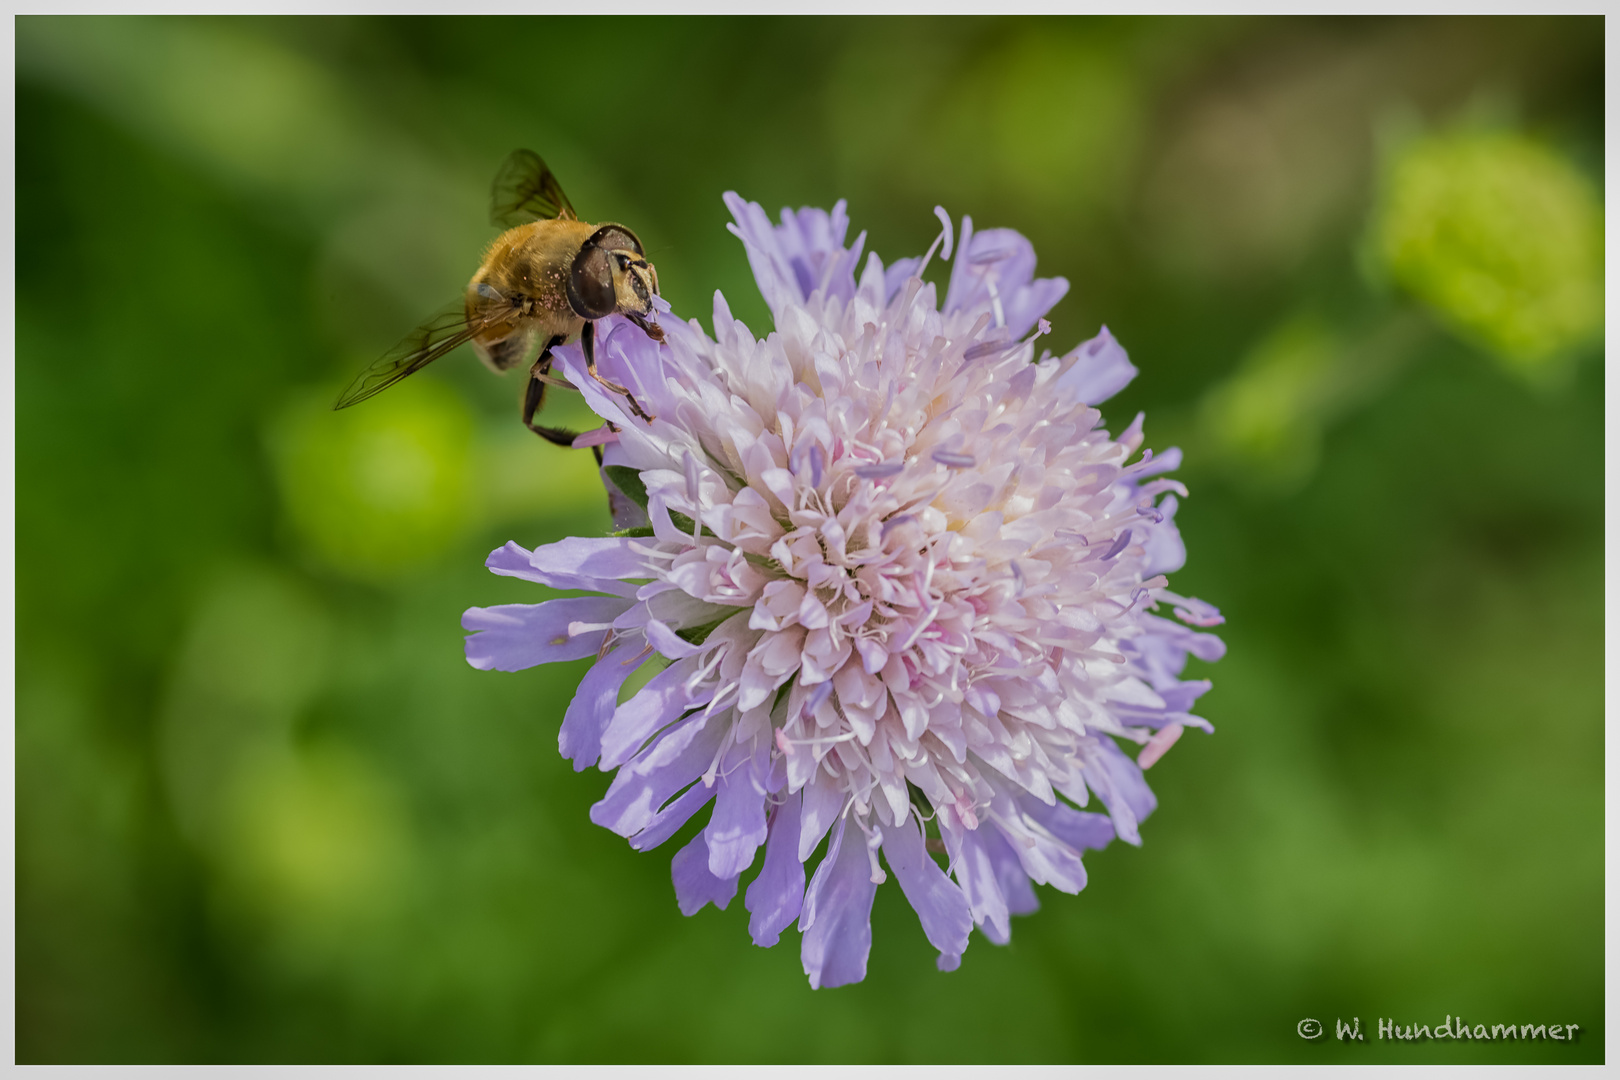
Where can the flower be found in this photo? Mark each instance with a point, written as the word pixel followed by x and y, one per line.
pixel 903 583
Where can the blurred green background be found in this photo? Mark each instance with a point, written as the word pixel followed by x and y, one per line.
pixel 265 811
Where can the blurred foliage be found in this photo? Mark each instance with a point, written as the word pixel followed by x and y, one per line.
pixel 1502 237
pixel 1265 418
pixel 1263 425
pixel 377 490
pixel 266 812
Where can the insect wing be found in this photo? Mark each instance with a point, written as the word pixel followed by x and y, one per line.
pixel 433 339
pixel 525 190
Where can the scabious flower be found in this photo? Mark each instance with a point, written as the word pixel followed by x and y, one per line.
pixel 903 583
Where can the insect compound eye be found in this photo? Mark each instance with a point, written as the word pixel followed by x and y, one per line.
pixel 616 238
pixel 590 283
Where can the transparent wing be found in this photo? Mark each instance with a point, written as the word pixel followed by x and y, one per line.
pixel 525 191
pixel 433 339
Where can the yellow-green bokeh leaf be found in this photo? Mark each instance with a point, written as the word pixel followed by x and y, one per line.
pixel 380 489
pixel 1501 237
pixel 1265 420
pixel 318 837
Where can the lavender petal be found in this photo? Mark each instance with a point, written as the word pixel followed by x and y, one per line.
pixel 676 812
pixel 635 799
pixel 777 894
pixel 822 804
pixel 595 564
pixel 738 827
pixel 1118 782
pixel 512 637
pixel 1164 552
pixel 1100 369
pixel 663 699
pixel 940 905
pixel 580 739
pixel 695 885
pixel 1077 828
pixel 976 874
pixel 837 917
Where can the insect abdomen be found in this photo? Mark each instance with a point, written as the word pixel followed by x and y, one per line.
pixel 508 353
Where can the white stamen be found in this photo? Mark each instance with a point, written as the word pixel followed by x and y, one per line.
pixel 995 304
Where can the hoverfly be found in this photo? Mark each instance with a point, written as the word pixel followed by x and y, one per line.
pixel 548 277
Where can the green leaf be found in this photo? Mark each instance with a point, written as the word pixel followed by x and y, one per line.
pixel 782 693
pixel 697 635
pixel 628 480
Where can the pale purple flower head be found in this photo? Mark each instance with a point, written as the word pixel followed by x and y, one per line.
pixel 901 583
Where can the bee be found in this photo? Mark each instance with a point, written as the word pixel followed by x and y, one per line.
pixel 548 277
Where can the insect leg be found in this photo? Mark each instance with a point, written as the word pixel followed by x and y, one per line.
pixel 651 329
pixel 535 393
pixel 587 341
